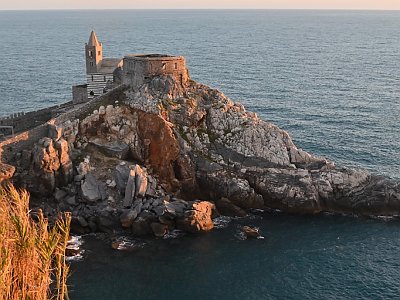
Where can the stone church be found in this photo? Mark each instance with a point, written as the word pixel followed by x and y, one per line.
pixel 102 74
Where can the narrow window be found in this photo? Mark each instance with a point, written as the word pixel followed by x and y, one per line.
pixel 164 66
pixel 90 53
pixel 92 77
pixel 104 78
pixel 99 53
pixel 176 66
pixel 91 64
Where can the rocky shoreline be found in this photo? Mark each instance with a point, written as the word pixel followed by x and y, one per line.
pixel 168 156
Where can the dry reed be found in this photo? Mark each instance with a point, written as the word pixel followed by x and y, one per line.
pixel 32 255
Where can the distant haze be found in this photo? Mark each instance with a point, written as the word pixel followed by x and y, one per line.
pixel 190 4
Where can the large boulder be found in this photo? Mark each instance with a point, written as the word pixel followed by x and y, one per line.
pixel 140 181
pixel 51 164
pixel 91 189
pixel 127 218
pixel 141 226
pixel 66 172
pixel 159 229
pixel 198 217
pixel 113 149
pixel 121 175
pixel 130 189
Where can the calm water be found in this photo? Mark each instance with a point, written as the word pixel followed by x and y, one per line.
pixel 332 79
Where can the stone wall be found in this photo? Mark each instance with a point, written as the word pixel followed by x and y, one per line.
pixel 79 94
pixel 82 111
pixel 25 120
pixel 139 68
pixel 25 140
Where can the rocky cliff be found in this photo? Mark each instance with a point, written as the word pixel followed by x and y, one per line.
pixel 149 161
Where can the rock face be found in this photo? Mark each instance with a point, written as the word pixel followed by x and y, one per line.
pixel 51 164
pixel 253 163
pixel 144 162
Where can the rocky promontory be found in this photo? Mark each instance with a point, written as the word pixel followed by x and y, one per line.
pixel 167 155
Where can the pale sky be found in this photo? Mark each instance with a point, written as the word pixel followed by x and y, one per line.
pixel 233 4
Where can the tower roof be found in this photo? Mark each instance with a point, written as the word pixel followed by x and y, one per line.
pixel 93 41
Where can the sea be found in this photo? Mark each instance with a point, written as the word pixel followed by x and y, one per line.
pixel 330 78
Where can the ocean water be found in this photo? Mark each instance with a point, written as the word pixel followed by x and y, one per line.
pixel 331 78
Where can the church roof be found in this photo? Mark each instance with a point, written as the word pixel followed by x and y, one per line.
pixel 93 41
pixel 108 65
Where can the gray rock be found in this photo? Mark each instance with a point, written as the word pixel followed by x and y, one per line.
pixel 105 223
pixel 176 208
pixel 138 206
pixel 159 210
pixel 121 175
pixel 71 200
pixel 78 178
pixel 158 229
pixel 59 195
pixel 151 186
pixel 130 189
pixel 82 221
pixel 90 189
pixel 141 226
pixel 127 218
pixel 116 149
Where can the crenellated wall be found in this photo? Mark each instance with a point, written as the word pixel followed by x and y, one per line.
pixel 22 121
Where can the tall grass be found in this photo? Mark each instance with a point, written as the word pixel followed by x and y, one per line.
pixel 32 255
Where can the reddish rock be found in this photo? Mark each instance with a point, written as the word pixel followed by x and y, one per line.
pixel 198 218
pixel 6 171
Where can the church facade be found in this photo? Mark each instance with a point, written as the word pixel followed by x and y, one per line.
pixel 101 72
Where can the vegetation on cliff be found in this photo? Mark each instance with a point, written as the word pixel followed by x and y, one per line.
pixel 32 255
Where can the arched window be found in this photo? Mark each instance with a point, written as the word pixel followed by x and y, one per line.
pixel 91 93
pixel 92 78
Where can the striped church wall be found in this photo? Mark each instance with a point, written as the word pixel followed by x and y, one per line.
pixel 97 83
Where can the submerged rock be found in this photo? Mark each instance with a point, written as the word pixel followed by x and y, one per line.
pixel 252 232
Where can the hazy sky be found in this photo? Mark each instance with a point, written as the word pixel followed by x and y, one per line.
pixel 295 4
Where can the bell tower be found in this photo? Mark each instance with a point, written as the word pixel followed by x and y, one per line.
pixel 94 54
